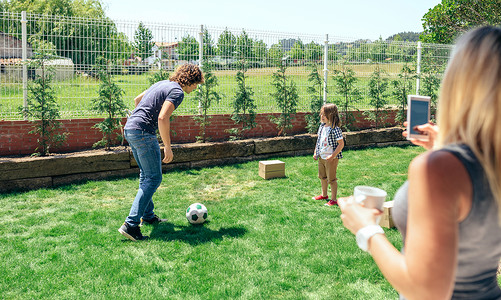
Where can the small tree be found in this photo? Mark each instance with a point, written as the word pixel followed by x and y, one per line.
pixel 403 87
pixel 346 86
pixel 430 86
pixel 378 84
pixel 286 97
pixel 42 108
pixel 206 94
pixel 244 107
pixel 316 98
pixel 110 103
pixel 431 76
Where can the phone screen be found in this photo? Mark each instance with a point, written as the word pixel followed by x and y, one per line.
pixel 419 114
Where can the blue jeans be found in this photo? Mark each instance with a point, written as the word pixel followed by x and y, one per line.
pixel 146 151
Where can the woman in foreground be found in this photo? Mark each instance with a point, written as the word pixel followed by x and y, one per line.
pixel 448 211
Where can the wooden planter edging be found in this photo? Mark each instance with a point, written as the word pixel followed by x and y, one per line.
pixel 27 173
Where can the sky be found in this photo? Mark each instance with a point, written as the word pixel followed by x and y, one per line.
pixel 361 19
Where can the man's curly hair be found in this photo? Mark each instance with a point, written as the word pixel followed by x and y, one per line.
pixel 187 75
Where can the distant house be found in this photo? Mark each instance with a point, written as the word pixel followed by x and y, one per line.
pixel 164 53
pixel 11 47
pixel 11 56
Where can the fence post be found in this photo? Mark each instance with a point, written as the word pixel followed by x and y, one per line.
pixel 418 68
pixel 201 45
pixel 200 56
pixel 326 69
pixel 24 38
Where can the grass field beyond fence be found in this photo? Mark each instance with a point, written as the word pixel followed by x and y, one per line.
pixel 265 239
pixel 74 96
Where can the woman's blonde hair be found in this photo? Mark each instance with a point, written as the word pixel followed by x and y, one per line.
pixel 330 111
pixel 187 75
pixel 469 108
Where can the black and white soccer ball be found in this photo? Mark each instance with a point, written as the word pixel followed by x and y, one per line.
pixel 196 213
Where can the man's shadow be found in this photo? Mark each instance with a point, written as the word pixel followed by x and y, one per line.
pixel 193 234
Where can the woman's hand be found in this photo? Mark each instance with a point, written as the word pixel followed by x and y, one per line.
pixel 430 129
pixel 355 216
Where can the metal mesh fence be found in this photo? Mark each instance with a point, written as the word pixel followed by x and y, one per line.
pixel 141 53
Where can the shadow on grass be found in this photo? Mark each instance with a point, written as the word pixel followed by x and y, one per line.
pixel 193 234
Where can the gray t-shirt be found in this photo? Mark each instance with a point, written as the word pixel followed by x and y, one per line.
pixel 145 115
pixel 479 249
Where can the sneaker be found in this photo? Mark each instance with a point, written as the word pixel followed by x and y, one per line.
pixel 132 233
pixel 320 197
pixel 331 203
pixel 153 220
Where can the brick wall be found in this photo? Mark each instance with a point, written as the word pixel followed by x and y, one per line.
pixel 15 140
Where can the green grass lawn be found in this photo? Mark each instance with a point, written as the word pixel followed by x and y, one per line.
pixel 265 239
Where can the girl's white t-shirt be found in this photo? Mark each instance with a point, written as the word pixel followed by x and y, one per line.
pixel 325 148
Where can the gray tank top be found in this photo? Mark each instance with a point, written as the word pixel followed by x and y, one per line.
pixel 479 234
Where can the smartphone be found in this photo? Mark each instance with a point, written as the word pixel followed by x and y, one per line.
pixel 418 113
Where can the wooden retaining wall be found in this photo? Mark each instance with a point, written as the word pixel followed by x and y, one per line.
pixel 25 173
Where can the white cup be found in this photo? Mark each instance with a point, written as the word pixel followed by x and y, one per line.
pixel 370 197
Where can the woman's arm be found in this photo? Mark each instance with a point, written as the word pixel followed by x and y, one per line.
pixel 439 187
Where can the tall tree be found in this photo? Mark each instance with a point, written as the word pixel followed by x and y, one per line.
pixel 313 52
pixel 209 47
pixel 275 54
pixel 378 49
pixel 444 22
pixel 297 51
pixel 259 52
pixel 226 44
pixel 53 23
pixel 188 48
pixel 332 54
pixel 244 46
pixel 143 41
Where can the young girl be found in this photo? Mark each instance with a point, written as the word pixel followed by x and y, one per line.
pixel 328 151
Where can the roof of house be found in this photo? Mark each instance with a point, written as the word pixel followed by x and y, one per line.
pixel 166 44
pixel 12 47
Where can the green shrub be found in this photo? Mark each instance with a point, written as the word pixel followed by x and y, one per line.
pixel 286 97
pixel 42 108
pixel 110 103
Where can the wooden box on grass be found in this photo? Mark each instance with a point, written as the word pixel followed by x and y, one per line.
pixel 271 169
pixel 386 219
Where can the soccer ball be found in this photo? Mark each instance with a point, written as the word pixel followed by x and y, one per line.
pixel 196 213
